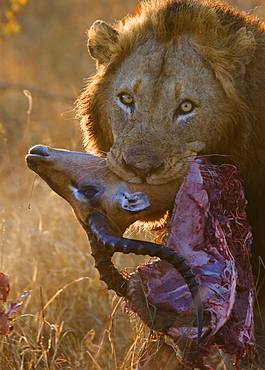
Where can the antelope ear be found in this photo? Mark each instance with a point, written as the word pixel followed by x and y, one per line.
pixel 133 202
pixel 102 42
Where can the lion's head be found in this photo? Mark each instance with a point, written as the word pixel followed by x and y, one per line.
pixel 171 84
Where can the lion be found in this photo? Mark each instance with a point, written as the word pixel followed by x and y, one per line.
pixel 178 79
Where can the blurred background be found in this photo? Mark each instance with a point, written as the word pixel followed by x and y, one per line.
pixel 69 320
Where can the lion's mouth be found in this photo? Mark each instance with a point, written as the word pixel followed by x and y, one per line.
pixel 171 169
pixel 143 172
pixel 152 176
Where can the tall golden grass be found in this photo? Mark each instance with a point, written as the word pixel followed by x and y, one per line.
pixel 69 320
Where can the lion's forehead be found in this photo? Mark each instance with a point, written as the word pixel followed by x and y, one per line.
pixel 172 68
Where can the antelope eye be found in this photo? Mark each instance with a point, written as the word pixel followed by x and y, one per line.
pixel 185 107
pixel 88 191
pixel 126 99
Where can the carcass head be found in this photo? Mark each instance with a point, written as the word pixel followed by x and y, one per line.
pixel 85 181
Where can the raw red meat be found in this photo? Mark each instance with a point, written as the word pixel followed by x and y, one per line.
pixel 209 229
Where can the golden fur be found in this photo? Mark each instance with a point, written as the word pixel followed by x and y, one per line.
pixel 175 52
pixel 231 46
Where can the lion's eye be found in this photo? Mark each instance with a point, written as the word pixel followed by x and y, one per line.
pixel 185 107
pixel 127 99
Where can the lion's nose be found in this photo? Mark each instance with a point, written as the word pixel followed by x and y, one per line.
pixel 143 170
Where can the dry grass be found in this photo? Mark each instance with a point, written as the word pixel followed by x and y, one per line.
pixel 70 320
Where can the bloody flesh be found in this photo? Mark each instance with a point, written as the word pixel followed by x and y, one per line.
pixel 209 229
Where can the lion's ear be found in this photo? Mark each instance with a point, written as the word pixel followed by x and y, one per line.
pixel 102 41
pixel 242 49
pixel 230 58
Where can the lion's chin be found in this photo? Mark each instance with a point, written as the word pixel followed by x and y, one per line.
pixel 174 168
pixel 176 173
